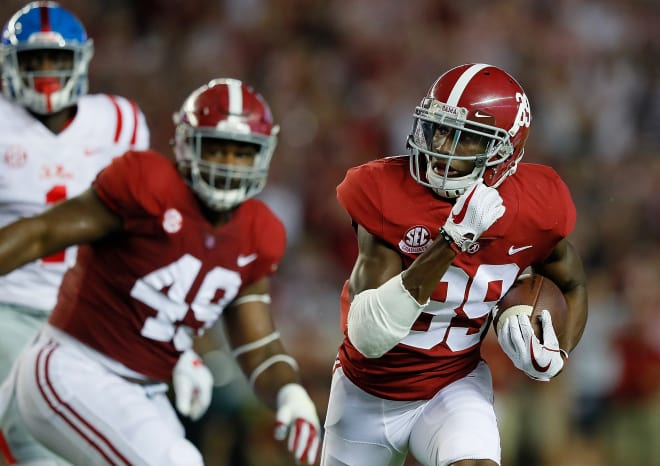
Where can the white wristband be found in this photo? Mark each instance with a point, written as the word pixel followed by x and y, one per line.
pixel 379 318
pixel 263 298
pixel 269 362
pixel 246 348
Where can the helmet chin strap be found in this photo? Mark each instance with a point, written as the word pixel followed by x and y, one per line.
pixel 451 188
pixel 218 199
pixel 225 200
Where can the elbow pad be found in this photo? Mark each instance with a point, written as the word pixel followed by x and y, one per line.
pixel 379 318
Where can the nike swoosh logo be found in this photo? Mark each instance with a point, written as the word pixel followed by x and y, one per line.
pixel 461 214
pixel 478 114
pixel 514 250
pixel 242 261
pixel 536 365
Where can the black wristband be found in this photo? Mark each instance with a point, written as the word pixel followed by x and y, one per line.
pixel 454 247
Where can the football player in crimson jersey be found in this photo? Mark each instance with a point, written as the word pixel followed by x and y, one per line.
pixel 165 250
pixel 442 234
pixel 54 139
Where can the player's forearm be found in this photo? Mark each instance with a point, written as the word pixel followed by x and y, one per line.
pixel 577 316
pixel 21 242
pixel 564 267
pixel 423 275
pixel 278 371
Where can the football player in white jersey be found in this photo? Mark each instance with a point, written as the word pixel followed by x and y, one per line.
pixel 54 139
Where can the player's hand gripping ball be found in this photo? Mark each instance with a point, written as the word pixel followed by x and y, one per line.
pixel 529 321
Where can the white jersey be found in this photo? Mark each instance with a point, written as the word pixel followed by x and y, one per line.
pixel 40 168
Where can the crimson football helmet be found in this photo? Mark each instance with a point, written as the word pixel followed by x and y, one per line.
pixel 44 26
pixel 473 102
pixel 230 110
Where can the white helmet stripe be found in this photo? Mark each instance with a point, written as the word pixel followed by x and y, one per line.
pixel 235 90
pixel 462 83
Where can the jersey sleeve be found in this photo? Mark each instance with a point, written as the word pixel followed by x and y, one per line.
pixel 547 210
pixel 566 221
pixel 142 134
pixel 359 193
pixel 128 186
pixel 131 130
pixel 552 205
pixel 270 236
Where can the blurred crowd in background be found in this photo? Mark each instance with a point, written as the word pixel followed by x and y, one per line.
pixel 343 78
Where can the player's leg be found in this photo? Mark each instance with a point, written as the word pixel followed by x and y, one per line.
pixel 19 326
pixel 363 430
pixel 75 406
pixel 458 425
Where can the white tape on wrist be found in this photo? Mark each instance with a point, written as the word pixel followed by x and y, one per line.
pixel 379 318
pixel 269 362
pixel 246 348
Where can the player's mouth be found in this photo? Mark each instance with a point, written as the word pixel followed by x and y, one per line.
pixel 440 169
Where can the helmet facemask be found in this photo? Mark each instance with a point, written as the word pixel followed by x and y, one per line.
pixel 222 186
pixel 434 125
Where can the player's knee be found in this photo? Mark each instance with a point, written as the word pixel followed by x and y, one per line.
pixel 341 452
pixel 184 453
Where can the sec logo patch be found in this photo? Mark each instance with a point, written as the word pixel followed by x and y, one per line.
pixel 416 240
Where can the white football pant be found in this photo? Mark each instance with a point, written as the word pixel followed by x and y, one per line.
pixel 89 415
pixel 457 423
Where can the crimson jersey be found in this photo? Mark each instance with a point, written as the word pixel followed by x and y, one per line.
pixel 444 343
pixel 141 295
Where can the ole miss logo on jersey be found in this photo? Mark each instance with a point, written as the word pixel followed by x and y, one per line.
pixel 416 240
pixel 15 156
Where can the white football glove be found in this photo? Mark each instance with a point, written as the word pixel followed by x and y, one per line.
pixel 540 361
pixel 193 385
pixel 474 212
pixel 296 414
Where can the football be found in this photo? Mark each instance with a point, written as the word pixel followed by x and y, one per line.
pixel 530 294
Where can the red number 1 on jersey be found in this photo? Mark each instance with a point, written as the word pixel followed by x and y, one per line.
pixel 55 195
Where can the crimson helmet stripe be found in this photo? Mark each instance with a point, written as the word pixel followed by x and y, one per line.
pixel 235 89
pixel 45 19
pixel 462 82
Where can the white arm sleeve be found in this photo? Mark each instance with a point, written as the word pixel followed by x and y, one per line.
pixel 379 318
